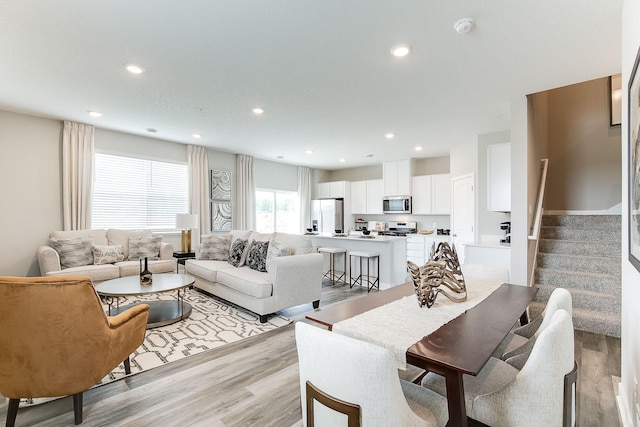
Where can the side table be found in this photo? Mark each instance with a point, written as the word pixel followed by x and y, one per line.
pixel 181 257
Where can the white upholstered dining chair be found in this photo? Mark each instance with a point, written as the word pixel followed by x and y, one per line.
pixel 516 347
pixel 359 378
pixel 503 396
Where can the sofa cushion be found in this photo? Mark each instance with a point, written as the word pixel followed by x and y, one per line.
pixel 107 254
pixel 236 252
pixel 215 246
pixel 298 244
pixel 121 237
pixel 144 247
pixel 247 281
pixel 97 273
pixel 276 249
pixel 132 268
pixel 257 256
pixel 99 236
pixel 206 269
pixel 74 251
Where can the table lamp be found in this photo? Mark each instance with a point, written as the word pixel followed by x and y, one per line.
pixel 186 222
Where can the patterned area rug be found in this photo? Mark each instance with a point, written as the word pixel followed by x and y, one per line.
pixel 213 323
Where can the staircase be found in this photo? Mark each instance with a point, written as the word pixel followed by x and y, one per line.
pixel 581 253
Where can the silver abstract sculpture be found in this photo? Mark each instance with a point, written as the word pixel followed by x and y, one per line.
pixel 440 275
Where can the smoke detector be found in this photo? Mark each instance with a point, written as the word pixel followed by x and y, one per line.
pixel 464 25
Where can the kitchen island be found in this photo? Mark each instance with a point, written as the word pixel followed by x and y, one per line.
pixel 392 250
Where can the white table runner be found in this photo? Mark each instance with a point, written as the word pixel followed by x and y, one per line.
pixel 400 324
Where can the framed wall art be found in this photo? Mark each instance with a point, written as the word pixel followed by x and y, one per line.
pixel 221 208
pixel 220 185
pixel 634 164
pixel 615 100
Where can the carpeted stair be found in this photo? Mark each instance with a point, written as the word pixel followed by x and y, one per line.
pixel 582 254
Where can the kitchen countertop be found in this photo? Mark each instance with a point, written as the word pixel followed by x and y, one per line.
pixel 490 245
pixel 375 239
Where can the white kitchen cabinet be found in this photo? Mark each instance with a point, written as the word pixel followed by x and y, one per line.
pixel 431 194
pixel 419 246
pixel 359 197
pixel 421 197
pixel 375 193
pixel 441 194
pixel 499 177
pixel 397 177
pixel 332 190
pixel 366 196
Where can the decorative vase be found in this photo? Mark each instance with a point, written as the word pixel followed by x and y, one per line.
pixel 145 275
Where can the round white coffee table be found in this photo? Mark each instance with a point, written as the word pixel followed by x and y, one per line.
pixel 160 312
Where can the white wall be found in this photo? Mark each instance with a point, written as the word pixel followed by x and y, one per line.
pixel 630 276
pixel 31 196
pixel 520 199
pixel 583 150
pixel 275 176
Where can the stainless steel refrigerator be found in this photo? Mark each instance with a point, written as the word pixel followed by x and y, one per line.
pixel 327 215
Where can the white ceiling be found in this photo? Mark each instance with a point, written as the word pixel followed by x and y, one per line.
pixel 321 69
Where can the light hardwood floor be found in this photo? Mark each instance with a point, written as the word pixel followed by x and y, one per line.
pixel 254 382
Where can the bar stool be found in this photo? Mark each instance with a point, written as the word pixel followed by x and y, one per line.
pixel 332 274
pixel 369 256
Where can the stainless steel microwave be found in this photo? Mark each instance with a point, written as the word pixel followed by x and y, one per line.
pixel 396 204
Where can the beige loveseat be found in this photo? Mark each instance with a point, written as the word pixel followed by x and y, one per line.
pixel 293 273
pixel 104 254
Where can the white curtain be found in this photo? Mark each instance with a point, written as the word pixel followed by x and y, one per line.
pixel 198 165
pixel 77 175
pixel 304 194
pixel 245 193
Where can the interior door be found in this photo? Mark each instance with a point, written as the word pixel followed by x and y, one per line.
pixel 463 212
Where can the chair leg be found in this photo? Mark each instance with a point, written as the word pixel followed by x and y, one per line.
pixel 569 396
pixel 77 408
pixel 12 412
pixel 127 366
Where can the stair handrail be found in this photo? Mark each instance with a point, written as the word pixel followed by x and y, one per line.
pixel 537 222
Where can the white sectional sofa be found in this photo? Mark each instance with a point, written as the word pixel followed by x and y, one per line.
pixel 293 273
pixel 104 254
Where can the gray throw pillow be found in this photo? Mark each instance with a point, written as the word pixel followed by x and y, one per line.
pixel 144 247
pixel 236 251
pixel 107 254
pixel 277 249
pixel 74 252
pixel 257 256
pixel 215 247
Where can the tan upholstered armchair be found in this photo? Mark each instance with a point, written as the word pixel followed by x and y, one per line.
pixel 56 339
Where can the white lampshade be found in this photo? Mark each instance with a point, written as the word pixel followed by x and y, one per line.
pixel 186 221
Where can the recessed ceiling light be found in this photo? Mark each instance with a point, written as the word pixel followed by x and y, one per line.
pixel 401 50
pixel 152 130
pixel 196 135
pixel 389 135
pixel 368 155
pixel 257 110
pixel 418 148
pixel 279 157
pixel 95 113
pixel 134 69
pixel 342 160
pixel 309 151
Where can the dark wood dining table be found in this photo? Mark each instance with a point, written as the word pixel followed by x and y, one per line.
pixel 461 346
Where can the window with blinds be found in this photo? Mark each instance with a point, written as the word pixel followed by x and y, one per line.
pixel 132 193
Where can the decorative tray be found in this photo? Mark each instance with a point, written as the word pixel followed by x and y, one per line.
pixel 425 231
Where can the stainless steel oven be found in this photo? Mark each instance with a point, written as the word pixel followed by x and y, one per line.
pixel 396 204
